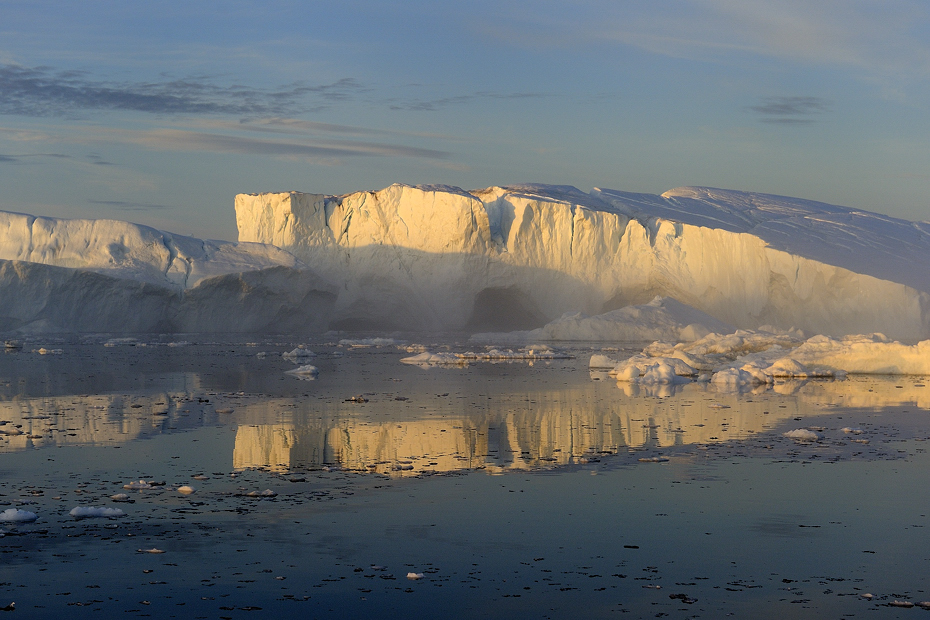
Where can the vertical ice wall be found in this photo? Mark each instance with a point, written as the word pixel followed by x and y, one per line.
pixel 437 257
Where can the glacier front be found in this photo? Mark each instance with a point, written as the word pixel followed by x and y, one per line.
pixel 59 275
pixel 516 257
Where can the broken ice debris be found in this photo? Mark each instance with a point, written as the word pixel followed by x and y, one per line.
pixel 414 576
pixel 186 490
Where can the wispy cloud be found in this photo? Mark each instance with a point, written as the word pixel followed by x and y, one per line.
pixel 122 205
pixel 432 105
pixel 43 91
pixel 790 110
pixel 317 150
pixel 19 158
pixel 878 38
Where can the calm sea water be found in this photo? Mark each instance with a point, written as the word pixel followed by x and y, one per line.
pixel 531 490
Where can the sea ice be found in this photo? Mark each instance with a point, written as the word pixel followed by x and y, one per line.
pixel 436 359
pixel 802 434
pixel 13 515
pixel 85 512
pixel 297 354
pixel 757 358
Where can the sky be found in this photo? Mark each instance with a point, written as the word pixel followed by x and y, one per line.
pixel 161 112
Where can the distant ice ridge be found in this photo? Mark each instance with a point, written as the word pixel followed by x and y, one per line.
pixel 517 257
pixel 107 275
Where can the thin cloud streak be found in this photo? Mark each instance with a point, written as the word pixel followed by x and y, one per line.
pixel 175 139
pixel 42 91
pixel 790 110
pixel 130 206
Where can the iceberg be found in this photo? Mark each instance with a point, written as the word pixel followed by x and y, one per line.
pixel 62 275
pixel 550 261
pixel 517 257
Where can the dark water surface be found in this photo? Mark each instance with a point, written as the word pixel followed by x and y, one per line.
pixel 515 489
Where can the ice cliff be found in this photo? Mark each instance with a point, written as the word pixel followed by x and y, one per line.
pixel 105 275
pixel 439 257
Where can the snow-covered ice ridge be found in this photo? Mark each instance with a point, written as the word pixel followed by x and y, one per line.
pixel 439 257
pixel 108 275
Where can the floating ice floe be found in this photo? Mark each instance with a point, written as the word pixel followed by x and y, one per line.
pixel 370 342
pixel 414 576
pixel 746 358
pixel 136 486
pixel 120 342
pixel 802 434
pixel 307 371
pixel 86 512
pixel 298 354
pixel 534 352
pixel 14 515
pixel 186 490
pixel 436 359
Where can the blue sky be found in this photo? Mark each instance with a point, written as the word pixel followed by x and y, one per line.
pixel 160 112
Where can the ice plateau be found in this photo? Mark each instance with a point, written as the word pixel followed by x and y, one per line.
pixel 517 257
pixel 105 275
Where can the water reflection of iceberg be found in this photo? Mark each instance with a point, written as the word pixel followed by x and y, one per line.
pixel 534 430
pixel 101 419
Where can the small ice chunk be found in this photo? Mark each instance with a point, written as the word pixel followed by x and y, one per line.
pixel 152 550
pixel 86 512
pixel 802 434
pixel 186 490
pixel 135 486
pixel 414 576
pixel 599 361
pixel 120 497
pixel 13 515
pixel 298 354
pixel 436 359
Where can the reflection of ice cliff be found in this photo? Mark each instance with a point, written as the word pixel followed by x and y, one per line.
pixel 95 420
pixel 538 430
pixel 437 257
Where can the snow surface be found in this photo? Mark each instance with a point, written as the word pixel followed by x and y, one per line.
pixel 517 257
pixel 106 275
